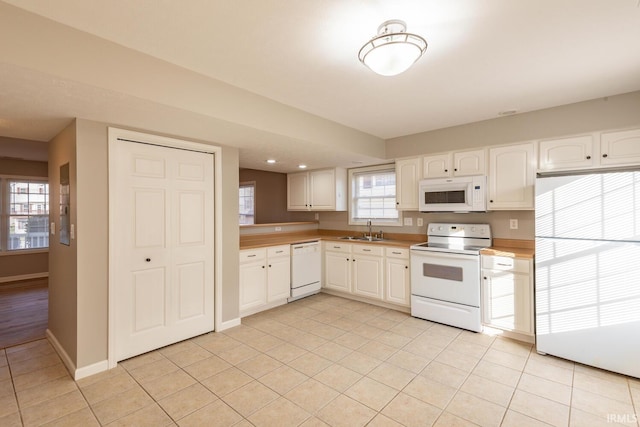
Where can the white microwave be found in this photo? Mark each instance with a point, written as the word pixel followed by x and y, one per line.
pixel 456 194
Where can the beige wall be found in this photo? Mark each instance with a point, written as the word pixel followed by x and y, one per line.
pixel 63 259
pixel 16 264
pixel 606 113
pixel 229 260
pixel 92 238
pixel 271 197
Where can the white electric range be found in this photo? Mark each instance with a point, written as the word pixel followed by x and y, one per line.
pixel 445 274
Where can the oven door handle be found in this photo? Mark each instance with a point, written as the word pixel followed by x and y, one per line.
pixel 447 255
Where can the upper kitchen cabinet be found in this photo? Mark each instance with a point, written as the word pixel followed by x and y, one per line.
pixel 512 177
pixel 620 148
pixel 593 151
pixel 408 173
pixel 318 190
pixel 577 152
pixel 457 163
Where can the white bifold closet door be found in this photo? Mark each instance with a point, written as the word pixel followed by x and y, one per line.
pixel 164 247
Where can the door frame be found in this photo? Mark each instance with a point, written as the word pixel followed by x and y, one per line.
pixel 115 135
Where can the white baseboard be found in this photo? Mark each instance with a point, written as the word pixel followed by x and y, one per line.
pixel 77 374
pixel 92 369
pixel 228 324
pixel 71 367
pixel 23 277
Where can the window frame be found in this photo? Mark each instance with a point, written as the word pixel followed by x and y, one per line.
pixel 354 173
pixel 5 213
pixel 247 184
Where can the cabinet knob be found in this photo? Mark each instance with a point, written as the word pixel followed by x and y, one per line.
pixel 269 265
pixel 604 155
pixel 485 277
pixel 446 170
pixel 397 203
pixel 148 259
pixel 406 266
pixel 455 170
pixel 490 201
pixel 263 266
pixel 588 157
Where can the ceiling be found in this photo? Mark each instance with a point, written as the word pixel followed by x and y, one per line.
pixel 483 58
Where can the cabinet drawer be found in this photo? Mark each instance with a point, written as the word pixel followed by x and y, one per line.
pixel 275 251
pixel 516 265
pixel 337 247
pixel 397 253
pixel 368 250
pixel 249 255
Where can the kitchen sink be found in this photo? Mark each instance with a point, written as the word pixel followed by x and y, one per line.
pixel 362 239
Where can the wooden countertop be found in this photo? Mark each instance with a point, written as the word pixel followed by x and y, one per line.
pixel 263 240
pixel 501 247
pixel 511 248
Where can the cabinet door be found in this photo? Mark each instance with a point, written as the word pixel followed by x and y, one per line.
pixel 467 163
pixel 397 283
pixel 297 191
pixel 322 190
pixel 620 148
pixel 507 302
pixel 337 271
pixel 367 276
pixel 408 173
pixel 253 285
pixel 437 166
pixel 567 153
pixel 511 177
pixel 278 278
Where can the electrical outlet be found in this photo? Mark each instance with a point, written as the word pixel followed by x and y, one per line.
pixel 513 224
pixel 419 222
pixel 408 221
pixel 278 228
pixel 317 216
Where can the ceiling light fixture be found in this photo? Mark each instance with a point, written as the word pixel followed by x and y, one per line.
pixel 271 161
pixel 302 166
pixel 393 50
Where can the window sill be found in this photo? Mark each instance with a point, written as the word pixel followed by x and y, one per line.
pixel 23 252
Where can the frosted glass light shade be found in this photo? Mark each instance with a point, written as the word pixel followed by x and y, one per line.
pixel 393 51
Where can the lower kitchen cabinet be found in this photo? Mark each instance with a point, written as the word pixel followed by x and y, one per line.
pixel 507 294
pixel 265 278
pixel 368 270
pixel 337 266
pixel 398 276
pixel 367 273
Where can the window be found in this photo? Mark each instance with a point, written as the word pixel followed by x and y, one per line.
pixel 25 214
pixel 247 203
pixel 373 196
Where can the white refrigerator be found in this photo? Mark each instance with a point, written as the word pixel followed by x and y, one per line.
pixel 587 276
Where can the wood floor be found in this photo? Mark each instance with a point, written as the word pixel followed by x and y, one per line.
pixel 24 311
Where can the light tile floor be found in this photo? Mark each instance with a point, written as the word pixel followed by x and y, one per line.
pixel 320 361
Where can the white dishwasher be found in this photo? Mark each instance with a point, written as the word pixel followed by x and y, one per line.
pixel 306 262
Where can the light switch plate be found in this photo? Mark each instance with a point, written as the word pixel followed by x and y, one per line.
pixel 72 232
pixel 52 228
pixel 513 224
pixel 408 221
pixel 419 222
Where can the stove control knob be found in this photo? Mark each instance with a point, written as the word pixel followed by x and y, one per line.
pixel 440 228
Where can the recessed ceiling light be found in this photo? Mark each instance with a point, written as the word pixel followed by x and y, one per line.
pixel 507 112
pixel 271 161
pixel 302 166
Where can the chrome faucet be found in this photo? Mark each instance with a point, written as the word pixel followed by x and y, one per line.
pixel 370 236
